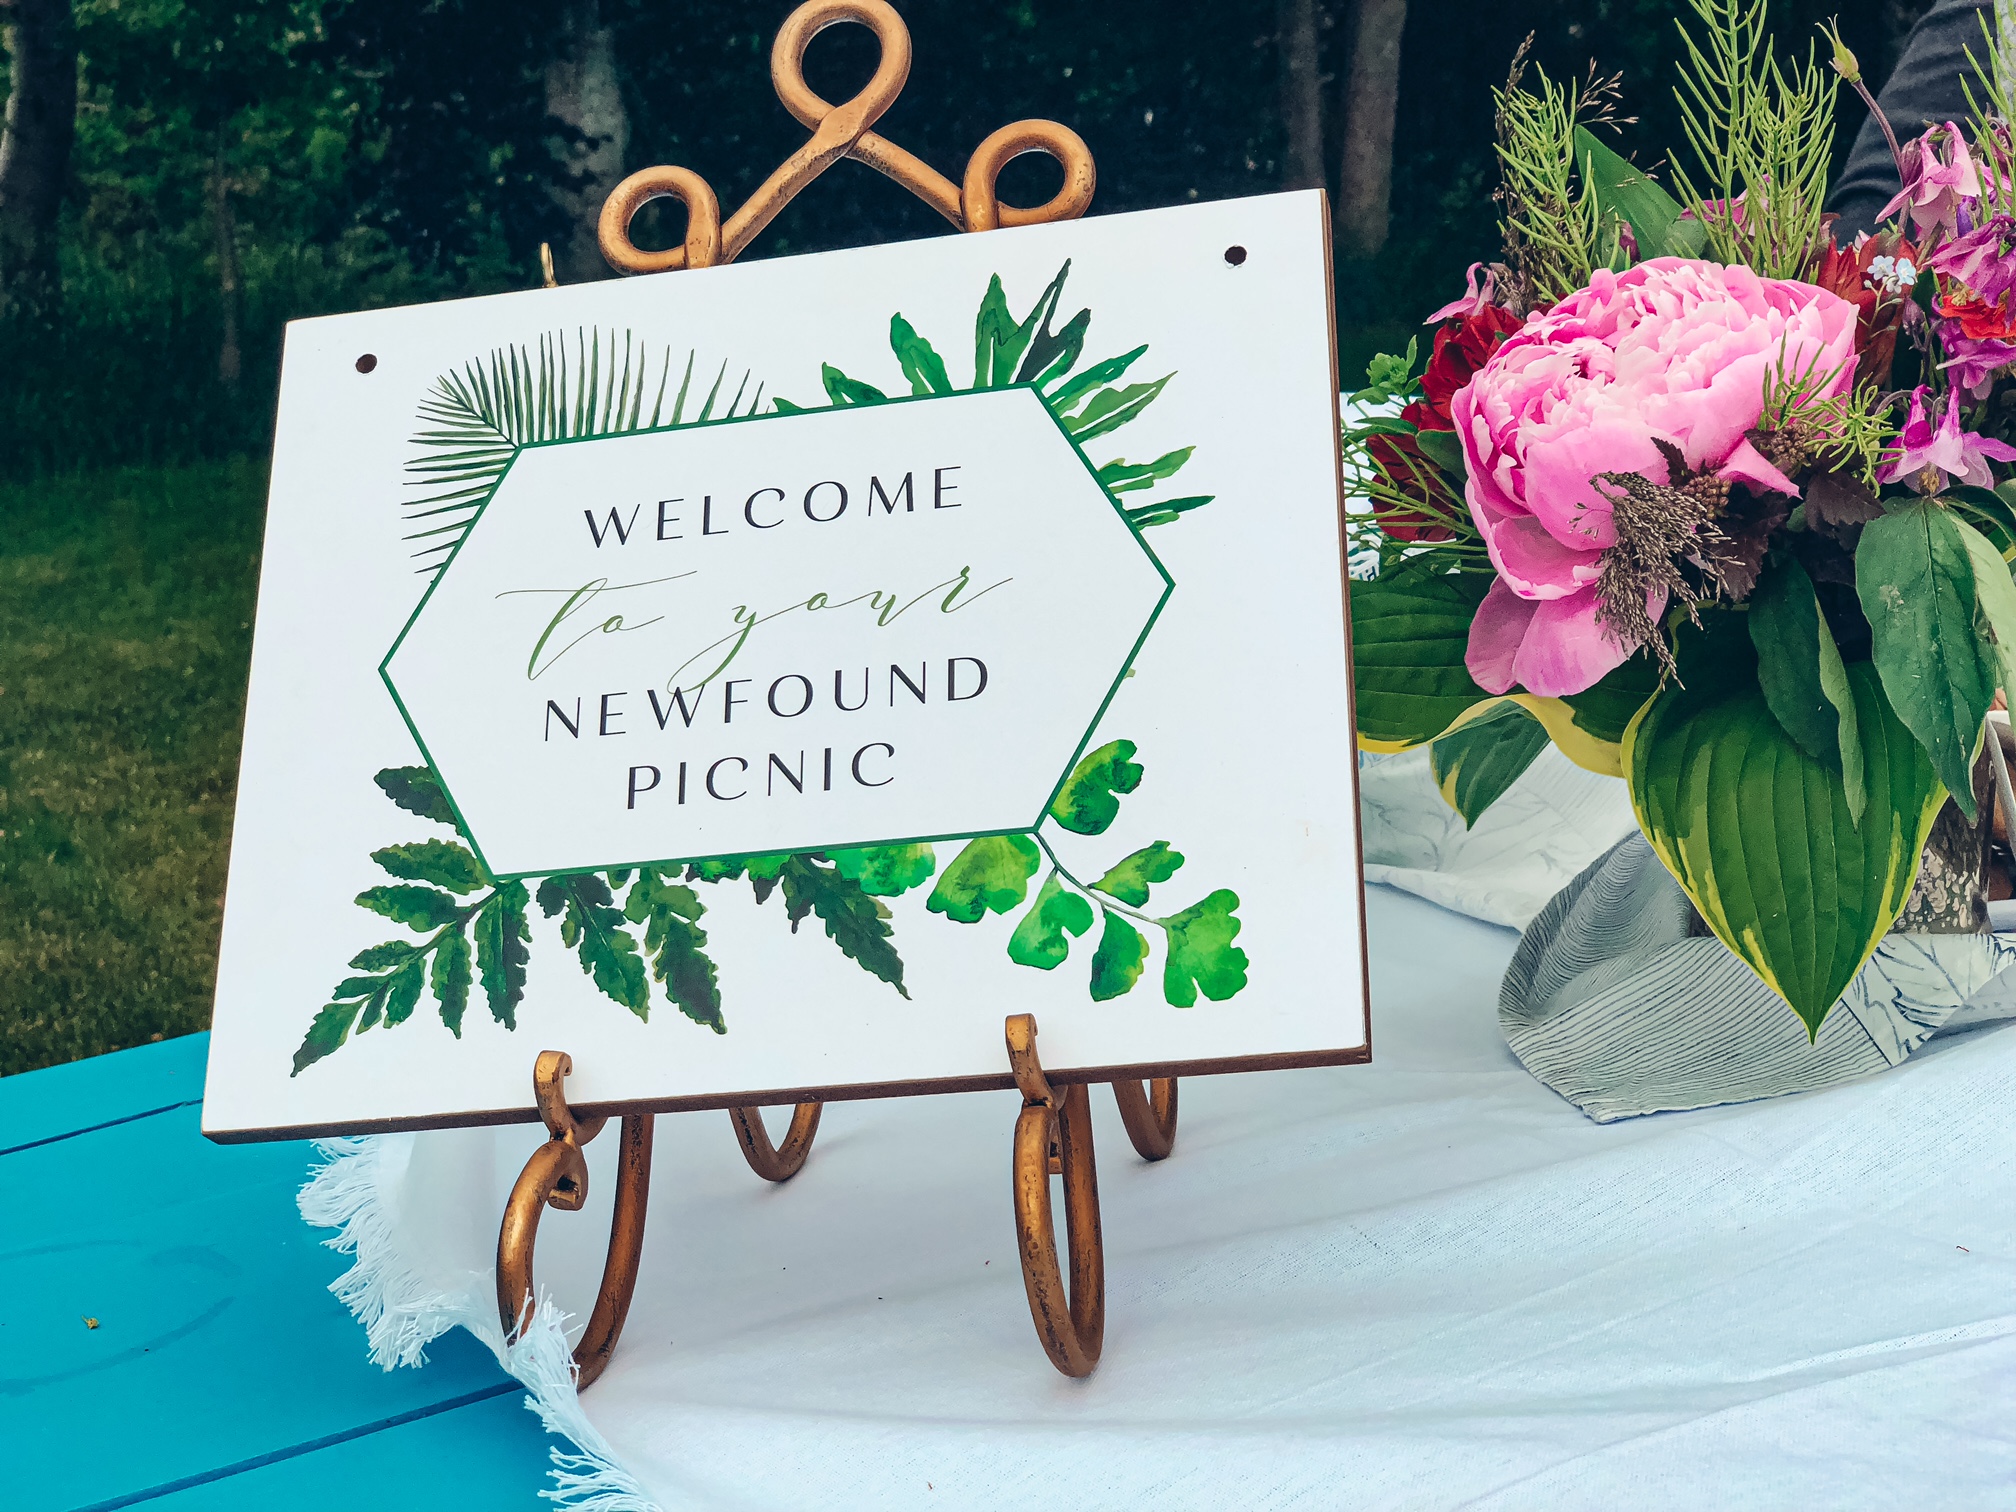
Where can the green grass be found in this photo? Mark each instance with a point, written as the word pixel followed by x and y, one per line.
pixel 125 628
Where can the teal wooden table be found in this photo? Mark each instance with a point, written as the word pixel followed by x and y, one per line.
pixel 221 1373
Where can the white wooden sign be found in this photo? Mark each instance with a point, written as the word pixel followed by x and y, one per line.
pixel 758 681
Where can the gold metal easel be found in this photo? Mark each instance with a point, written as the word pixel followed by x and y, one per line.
pixel 1053 1135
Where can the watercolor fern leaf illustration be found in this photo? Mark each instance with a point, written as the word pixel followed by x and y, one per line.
pixel 1089 404
pixel 477 418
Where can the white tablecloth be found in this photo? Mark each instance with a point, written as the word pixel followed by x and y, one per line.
pixel 1424 1283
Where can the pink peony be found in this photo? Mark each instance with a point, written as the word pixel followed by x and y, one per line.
pixel 1670 349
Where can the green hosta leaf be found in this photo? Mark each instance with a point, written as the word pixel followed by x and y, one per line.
pixel 1988 511
pixel 887 871
pixel 1759 834
pixel 403 991
pixel 844 390
pixel 418 908
pixel 1915 576
pixel 1607 708
pixel 673 939
pixel 441 862
pixel 1800 670
pixel 1124 477
pixel 1409 631
pixel 990 875
pixel 1624 192
pixel 855 922
pixel 451 979
pixel 1130 878
pixel 1039 940
pixel 326 1035
pixel 502 940
pixel 1097 375
pixel 1476 762
pixel 1994 605
pixel 921 365
pixel 1089 800
pixel 415 790
pixel 1202 956
pixel 592 926
pixel 1116 964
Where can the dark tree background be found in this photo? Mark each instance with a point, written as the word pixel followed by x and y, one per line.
pixel 239 163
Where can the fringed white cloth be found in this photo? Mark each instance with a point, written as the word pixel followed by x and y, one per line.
pixel 1426 1283
pixel 407 1290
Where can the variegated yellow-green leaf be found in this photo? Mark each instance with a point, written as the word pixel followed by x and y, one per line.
pixel 1759 833
pixel 1478 760
pixel 1409 631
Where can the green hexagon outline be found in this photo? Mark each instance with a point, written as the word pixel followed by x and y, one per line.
pixel 1126 665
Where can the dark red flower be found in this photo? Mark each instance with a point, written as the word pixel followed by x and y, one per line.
pixel 1876 292
pixel 1462 346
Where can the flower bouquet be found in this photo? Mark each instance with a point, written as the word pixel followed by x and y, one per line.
pixel 1708 496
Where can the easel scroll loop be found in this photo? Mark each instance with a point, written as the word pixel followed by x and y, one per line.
pixel 839 131
pixel 1070 1323
pixel 557 1176
pixel 702 246
pixel 985 212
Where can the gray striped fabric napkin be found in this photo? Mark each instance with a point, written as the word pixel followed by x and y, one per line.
pixel 1609 1000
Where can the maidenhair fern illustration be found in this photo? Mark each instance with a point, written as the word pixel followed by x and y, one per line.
pixel 637 929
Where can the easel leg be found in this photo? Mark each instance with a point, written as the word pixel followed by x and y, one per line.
pixel 1071 1324
pixel 776 1162
pixel 1150 1116
pixel 557 1176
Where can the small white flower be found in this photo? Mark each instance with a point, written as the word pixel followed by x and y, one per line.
pixel 1892 275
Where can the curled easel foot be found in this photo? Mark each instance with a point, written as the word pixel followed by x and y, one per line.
pixel 1070 1322
pixel 1150 1115
pixel 776 1162
pixel 557 1176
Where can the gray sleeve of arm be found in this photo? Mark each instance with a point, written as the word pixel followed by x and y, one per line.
pixel 1924 89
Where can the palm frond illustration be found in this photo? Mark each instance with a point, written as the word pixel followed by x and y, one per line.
pixel 477 417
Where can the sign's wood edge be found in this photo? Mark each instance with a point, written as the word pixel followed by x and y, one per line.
pixel 1360 1054
pixel 1344 602
pixel 1293 1060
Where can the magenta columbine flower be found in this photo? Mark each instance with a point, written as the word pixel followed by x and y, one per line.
pixel 1983 261
pixel 1935 185
pixel 1927 458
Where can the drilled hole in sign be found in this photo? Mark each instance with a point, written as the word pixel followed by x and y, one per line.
pixel 1235 255
pixel 366 363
